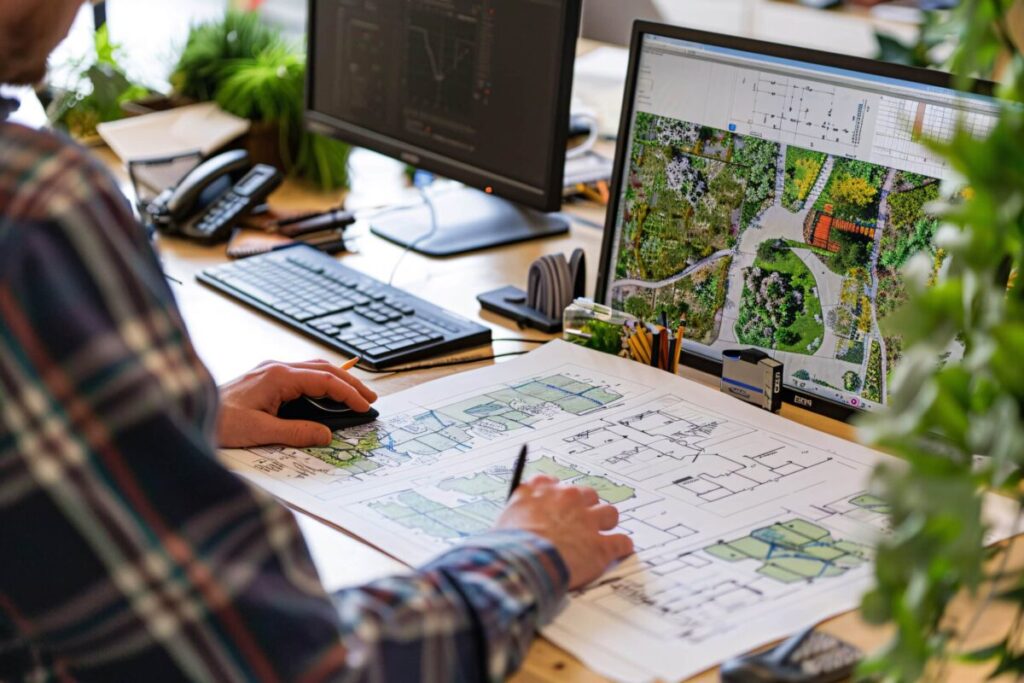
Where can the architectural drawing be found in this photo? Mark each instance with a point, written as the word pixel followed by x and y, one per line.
pixel 423 437
pixel 747 527
pixel 455 507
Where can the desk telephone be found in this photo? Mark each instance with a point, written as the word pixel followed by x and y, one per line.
pixel 208 201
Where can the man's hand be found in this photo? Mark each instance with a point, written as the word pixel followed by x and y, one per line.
pixel 249 404
pixel 573 519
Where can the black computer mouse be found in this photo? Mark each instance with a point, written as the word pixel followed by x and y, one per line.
pixel 334 414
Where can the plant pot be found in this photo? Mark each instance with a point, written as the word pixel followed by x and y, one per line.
pixel 263 143
pixel 154 103
pixel 1015 24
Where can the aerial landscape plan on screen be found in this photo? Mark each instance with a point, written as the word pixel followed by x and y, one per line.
pixel 771 245
pixel 776 203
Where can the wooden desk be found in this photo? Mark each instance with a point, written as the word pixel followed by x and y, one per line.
pixel 232 339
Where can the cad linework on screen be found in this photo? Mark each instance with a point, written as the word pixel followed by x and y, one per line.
pixel 747 527
pixel 776 204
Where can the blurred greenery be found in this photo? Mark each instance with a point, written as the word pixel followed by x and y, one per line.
pixel 98 89
pixel 252 71
pixel 945 410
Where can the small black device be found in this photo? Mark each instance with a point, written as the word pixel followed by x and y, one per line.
pixel 476 90
pixel 343 308
pixel 808 657
pixel 333 414
pixel 753 376
pixel 209 201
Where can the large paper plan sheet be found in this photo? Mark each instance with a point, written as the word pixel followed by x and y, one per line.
pixel 747 526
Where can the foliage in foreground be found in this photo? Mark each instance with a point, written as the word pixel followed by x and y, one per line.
pixel 945 410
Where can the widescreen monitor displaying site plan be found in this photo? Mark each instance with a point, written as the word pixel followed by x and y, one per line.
pixel 776 201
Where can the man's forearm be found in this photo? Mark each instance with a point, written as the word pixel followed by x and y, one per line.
pixel 470 615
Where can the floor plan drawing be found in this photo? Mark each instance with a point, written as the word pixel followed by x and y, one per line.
pixel 801 111
pixel 716 460
pixel 455 507
pixel 747 527
pixel 422 437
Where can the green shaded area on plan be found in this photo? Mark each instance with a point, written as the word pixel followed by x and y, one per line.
pixel 872 503
pixel 344 455
pixel 481 497
pixel 456 427
pixel 791 551
pixel 415 511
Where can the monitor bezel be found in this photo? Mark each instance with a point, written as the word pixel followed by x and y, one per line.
pixel 545 197
pixel 641 29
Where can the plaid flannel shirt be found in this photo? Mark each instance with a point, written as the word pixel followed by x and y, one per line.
pixel 127 552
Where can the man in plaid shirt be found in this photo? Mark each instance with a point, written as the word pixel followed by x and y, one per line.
pixel 127 553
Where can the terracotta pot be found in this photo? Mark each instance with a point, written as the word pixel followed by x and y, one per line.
pixel 263 142
pixel 1015 23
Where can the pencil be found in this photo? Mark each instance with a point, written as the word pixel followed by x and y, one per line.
pixel 350 363
pixel 517 473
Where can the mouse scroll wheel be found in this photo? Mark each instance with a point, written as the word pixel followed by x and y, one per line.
pixel 329 405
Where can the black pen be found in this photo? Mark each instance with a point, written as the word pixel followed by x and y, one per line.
pixel 517 473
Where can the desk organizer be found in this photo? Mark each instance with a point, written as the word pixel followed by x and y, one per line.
pixel 552 284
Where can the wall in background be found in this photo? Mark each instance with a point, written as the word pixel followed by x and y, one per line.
pixel 151 32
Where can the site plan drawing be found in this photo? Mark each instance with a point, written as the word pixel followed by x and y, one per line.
pixel 776 205
pixel 747 526
pixel 774 246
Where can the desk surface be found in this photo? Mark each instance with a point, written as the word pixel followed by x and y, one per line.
pixel 232 339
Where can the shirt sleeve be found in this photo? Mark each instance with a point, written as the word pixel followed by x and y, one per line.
pixel 129 552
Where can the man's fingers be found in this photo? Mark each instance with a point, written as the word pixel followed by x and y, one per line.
pixel 617 546
pixel 304 382
pixel 606 516
pixel 541 480
pixel 588 496
pixel 267 429
pixel 343 375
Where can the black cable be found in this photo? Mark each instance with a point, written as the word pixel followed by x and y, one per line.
pixel 522 341
pixel 432 366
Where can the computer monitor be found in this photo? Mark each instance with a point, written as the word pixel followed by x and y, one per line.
pixel 474 90
pixel 773 195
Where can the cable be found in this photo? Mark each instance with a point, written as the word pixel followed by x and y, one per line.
pixel 427 235
pixel 522 341
pixel 445 364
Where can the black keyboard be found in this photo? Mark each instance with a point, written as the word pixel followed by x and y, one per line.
pixel 354 313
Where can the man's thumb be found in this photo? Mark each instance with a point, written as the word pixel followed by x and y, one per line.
pixel 295 433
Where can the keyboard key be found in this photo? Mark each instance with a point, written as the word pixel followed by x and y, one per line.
pixel 314 292
pixel 372 293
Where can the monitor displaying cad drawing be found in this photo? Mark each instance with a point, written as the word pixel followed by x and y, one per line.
pixel 775 200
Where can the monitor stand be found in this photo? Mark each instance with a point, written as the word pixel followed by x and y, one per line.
pixel 467 220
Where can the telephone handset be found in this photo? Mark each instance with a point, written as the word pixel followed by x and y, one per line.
pixel 208 201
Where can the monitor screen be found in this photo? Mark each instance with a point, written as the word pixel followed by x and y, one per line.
pixel 775 201
pixel 476 90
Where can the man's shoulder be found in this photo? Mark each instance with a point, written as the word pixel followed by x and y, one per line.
pixel 43 173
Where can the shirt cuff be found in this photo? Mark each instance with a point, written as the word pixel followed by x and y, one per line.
pixel 534 560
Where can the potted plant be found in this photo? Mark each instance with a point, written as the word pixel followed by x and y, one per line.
pixel 250 70
pixel 96 92
pixel 945 411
